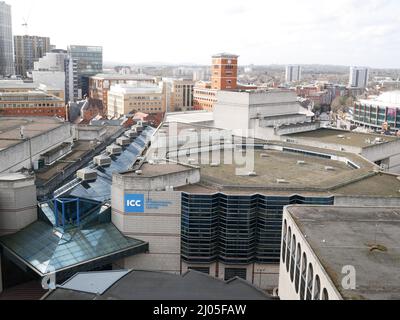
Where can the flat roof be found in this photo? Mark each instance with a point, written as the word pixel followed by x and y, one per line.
pixel 154 170
pixel 190 117
pixel 152 285
pixel 342 137
pixel 342 236
pixel 33 127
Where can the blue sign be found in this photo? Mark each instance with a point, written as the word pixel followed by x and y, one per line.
pixel 134 203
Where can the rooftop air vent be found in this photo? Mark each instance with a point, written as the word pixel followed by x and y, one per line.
pixel 131 134
pixel 214 165
pixel 328 168
pixel 281 181
pixel 114 149
pixel 301 163
pixel 139 172
pixel 123 141
pixel 252 174
pixel 87 174
pixel 340 136
pixel 102 160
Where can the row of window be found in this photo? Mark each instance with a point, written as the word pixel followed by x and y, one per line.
pixel 301 274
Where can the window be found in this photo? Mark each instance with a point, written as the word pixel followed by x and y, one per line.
pixel 284 241
pixel 288 250
pixel 317 288
pixel 325 295
pixel 310 278
pixel 303 277
pixel 292 258
pixel 298 260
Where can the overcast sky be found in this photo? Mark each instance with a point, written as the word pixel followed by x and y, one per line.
pixel 342 32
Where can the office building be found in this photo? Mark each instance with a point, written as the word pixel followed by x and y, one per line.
pixel 204 217
pixel 6 41
pixel 376 112
pixel 84 62
pixel 179 94
pixel 100 84
pixel 293 73
pixel 359 77
pixel 339 253
pixel 135 97
pixel 50 71
pixel 28 50
pixel 28 99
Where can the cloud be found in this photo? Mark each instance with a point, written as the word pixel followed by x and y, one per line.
pixel 344 32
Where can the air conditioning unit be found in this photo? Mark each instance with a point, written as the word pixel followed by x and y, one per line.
pixel 114 149
pixel 123 141
pixel 102 160
pixel 87 174
pixel 131 134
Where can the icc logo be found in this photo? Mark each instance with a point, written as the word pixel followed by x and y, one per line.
pixel 134 203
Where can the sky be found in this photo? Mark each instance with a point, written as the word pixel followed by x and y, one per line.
pixel 262 32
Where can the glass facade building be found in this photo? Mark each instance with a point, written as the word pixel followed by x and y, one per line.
pixel 376 116
pixel 89 62
pixel 6 41
pixel 235 229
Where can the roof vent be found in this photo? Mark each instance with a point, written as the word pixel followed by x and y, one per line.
pixel 151 162
pixel 328 168
pixel 123 141
pixel 114 149
pixel 139 172
pixel 87 174
pixel 281 181
pixel 301 163
pixel 131 134
pixel 340 136
pixel 214 165
pixel 102 160
pixel 252 174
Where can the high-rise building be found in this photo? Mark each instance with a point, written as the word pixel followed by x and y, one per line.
pixel 179 94
pixel 6 43
pixel 293 73
pixel 28 50
pixel 358 77
pixel 84 62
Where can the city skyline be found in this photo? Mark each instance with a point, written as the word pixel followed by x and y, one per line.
pixel 344 33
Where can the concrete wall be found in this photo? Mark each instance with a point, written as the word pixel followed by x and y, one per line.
pixel 142 183
pixel 287 289
pixel 18 204
pixel 389 150
pixel 25 153
pixel 360 201
pixel 160 227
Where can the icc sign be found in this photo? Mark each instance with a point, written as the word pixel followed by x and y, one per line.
pixel 134 203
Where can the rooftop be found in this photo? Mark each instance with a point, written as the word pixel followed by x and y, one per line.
pixel 225 55
pixel 190 117
pixel 33 127
pixel 387 99
pixel 342 137
pixel 135 89
pixel 342 236
pixel 117 76
pixel 150 285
